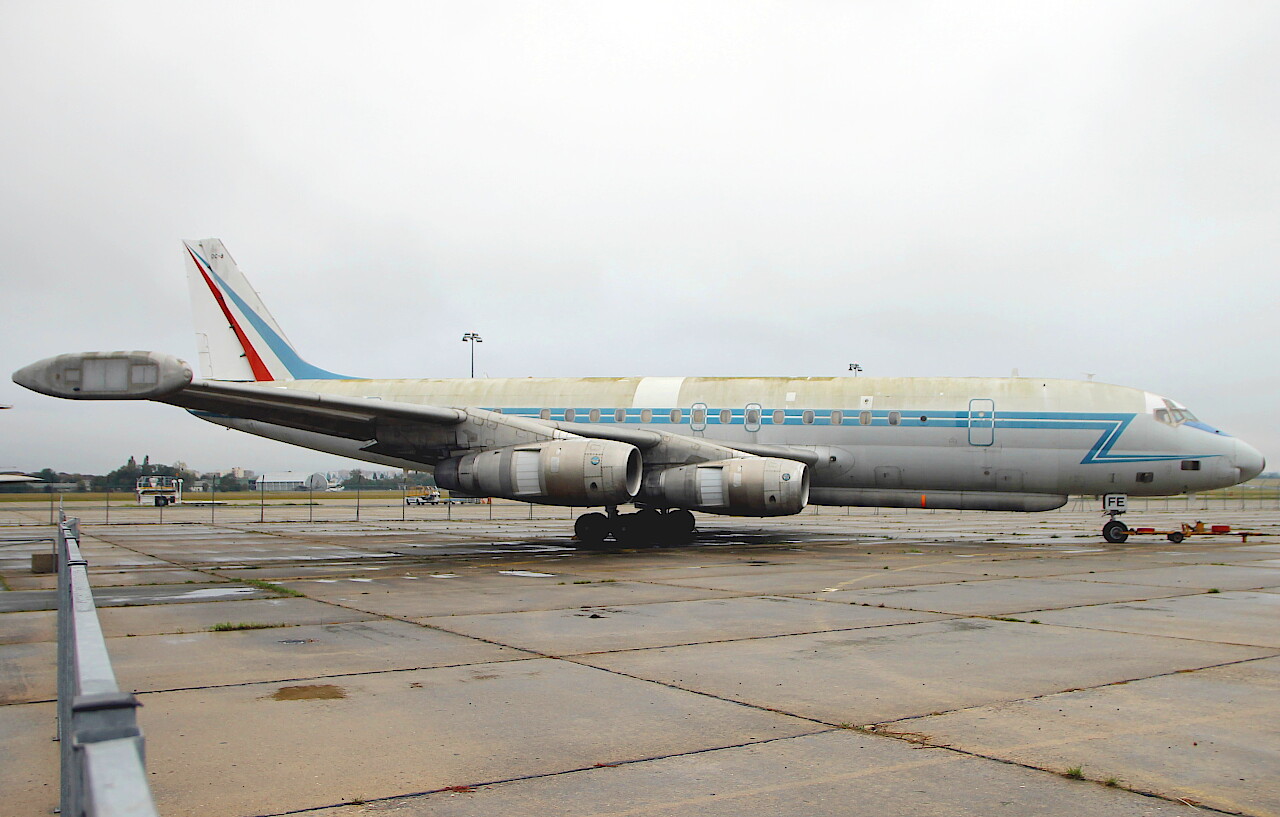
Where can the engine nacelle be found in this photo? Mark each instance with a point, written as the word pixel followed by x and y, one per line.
pixel 746 486
pixel 581 473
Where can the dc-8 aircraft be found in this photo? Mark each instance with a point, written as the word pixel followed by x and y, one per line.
pixel 743 446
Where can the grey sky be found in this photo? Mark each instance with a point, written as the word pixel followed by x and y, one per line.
pixel 645 189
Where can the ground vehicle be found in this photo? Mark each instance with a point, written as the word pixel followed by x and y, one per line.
pixel 153 490
pixel 422 496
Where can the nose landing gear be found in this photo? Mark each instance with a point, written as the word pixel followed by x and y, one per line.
pixel 646 526
pixel 1115 531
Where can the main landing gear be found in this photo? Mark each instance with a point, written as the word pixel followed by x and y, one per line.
pixel 644 527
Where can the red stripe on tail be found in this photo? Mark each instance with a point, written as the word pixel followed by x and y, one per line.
pixel 260 370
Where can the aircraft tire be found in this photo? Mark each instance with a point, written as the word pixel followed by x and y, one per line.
pixel 591 528
pixel 639 528
pixel 681 522
pixel 1115 532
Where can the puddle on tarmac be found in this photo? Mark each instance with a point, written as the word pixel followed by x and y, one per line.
pixel 309 692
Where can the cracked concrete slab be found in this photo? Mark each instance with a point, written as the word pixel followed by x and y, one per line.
pixel 623 627
pixel 400 733
pixel 833 774
pixel 1207 737
pixel 1200 576
pixel 209 659
pixel 1234 617
pixel 868 676
pixel 1001 596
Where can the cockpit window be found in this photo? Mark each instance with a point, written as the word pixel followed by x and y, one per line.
pixel 1174 414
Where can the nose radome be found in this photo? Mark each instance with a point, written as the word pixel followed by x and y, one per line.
pixel 1249 460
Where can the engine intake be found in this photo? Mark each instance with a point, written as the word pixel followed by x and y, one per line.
pixel 747 486
pixel 580 473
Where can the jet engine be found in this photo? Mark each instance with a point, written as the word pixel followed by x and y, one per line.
pixel 579 473
pixel 746 486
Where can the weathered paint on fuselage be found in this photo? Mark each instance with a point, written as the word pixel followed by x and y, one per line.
pixel 917 434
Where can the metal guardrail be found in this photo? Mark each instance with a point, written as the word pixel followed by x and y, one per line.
pixel 103 767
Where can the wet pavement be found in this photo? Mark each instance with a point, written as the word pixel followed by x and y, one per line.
pixel 930 663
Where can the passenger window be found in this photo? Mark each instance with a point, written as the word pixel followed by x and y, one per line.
pixel 864 418
pixel 779 417
pixel 545 414
pixel 895 418
pixel 1146 476
pixel 837 418
pixel 594 415
pixel 646 415
pixel 1191 465
pixel 619 415
pixel 807 417
pixel 676 415
pixel 753 416
pixel 726 417
pixel 569 414
pixel 700 416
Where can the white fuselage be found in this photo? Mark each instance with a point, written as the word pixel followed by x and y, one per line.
pixel 880 441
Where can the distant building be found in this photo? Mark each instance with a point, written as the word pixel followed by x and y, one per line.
pixel 291 481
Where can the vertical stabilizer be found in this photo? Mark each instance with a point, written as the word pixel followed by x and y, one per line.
pixel 236 336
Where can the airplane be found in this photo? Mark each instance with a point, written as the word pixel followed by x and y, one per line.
pixel 667 446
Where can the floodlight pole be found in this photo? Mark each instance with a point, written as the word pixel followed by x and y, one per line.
pixel 473 339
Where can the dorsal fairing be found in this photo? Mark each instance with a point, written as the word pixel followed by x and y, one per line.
pixel 236 335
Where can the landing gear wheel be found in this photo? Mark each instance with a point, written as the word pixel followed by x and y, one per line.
pixel 681 522
pixel 591 528
pixel 638 528
pixel 1176 537
pixel 1115 532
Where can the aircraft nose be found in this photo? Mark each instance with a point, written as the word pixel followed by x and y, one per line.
pixel 1249 460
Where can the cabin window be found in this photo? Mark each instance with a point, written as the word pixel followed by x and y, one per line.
pixel 924 419
pixel 594 415
pixel 779 417
pixel 619 415
pixel 676 415
pixel 864 418
pixel 646 415
pixel 726 417
pixel 753 416
pixel 895 418
pixel 1191 465
pixel 700 416
pixel 837 418
pixel 1146 476
pixel 545 414
pixel 807 417
pixel 569 414
pixel 497 411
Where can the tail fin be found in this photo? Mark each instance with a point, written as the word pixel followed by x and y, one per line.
pixel 235 334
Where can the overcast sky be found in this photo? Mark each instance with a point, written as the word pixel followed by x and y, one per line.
pixel 644 189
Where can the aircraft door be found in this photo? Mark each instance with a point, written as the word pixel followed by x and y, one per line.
pixel 982 421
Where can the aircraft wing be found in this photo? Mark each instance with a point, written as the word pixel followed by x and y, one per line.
pixel 420 433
